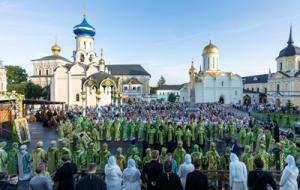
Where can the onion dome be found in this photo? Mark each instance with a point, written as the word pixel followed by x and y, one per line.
pixel 290 50
pixel 210 48
pixel 84 29
pixel 55 49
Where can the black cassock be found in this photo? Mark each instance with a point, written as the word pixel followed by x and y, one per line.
pixel 91 182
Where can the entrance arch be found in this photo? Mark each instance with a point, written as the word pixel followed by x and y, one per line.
pixel 247 100
pixel 221 99
pixel 278 102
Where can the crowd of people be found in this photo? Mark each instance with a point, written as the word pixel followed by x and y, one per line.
pixel 177 143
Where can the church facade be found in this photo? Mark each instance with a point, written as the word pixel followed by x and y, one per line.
pixel 284 84
pixel 86 81
pixel 211 84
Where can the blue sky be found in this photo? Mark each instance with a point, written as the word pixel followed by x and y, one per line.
pixel 162 35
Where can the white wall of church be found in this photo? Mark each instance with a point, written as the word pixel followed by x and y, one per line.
pixel 212 89
pixel 59 85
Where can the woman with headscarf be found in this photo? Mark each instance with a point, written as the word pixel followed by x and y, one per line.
pixel 113 174
pixel 237 173
pixel 185 169
pixel 289 176
pixel 131 177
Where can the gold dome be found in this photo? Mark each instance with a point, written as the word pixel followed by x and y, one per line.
pixel 210 48
pixel 101 61
pixel 55 49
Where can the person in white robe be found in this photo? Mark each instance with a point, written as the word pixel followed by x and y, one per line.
pixel 131 177
pixel 24 167
pixel 185 168
pixel 113 174
pixel 237 173
pixel 289 176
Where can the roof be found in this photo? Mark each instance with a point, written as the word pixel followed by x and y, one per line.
pixel 130 69
pixel 170 87
pixel 290 50
pixel 255 79
pixel 99 77
pixel 52 57
pixel 132 81
pixel 33 101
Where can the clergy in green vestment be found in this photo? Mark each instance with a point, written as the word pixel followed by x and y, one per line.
pixel 179 154
pixel 12 159
pixel 104 156
pixel 52 157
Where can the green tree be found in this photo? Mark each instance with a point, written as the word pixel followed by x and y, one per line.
pixel 172 97
pixel 161 81
pixel 33 91
pixel 30 90
pixel 15 74
pixel 19 88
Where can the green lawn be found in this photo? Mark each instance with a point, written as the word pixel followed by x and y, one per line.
pixel 284 120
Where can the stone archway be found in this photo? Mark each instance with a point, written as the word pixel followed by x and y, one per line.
pixel 221 99
pixel 247 100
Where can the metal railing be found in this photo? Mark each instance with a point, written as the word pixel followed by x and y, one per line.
pixel 218 179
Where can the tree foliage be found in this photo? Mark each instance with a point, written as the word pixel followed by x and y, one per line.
pixel 172 98
pixel 161 81
pixel 15 74
pixel 30 90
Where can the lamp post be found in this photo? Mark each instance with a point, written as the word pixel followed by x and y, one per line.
pixel 98 98
pixel 83 96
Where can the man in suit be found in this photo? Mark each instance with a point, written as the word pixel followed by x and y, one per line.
pixel 235 148
pixel 64 175
pixel 151 171
pixel 91 181
pixel 259 179
pixel 196 179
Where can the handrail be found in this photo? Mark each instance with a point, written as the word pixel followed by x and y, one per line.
pixel 218 179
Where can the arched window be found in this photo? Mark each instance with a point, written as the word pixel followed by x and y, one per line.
pixel 47 72
pixel 90 45
pixel 81 58
pixel 77 97
pixel 40 72
pixel 280 66
pixel 278 88
pixel 222 83
pixel 84 44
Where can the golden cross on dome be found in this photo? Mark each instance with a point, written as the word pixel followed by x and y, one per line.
pixel 101 54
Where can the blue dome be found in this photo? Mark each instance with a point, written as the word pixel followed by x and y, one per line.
pixel 84 29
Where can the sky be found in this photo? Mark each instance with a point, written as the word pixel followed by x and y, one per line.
pixel 164 36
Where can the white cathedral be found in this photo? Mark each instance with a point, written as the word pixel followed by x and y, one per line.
pixel 85 81
pixel 211 84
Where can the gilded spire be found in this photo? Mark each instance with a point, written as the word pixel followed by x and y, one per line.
pixel 290 42
pixel 101 61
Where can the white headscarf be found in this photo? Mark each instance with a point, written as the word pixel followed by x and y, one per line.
pixel 130 164
pixel 233 157
pixel 292 164
pixel 187 159
pixel 111 165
